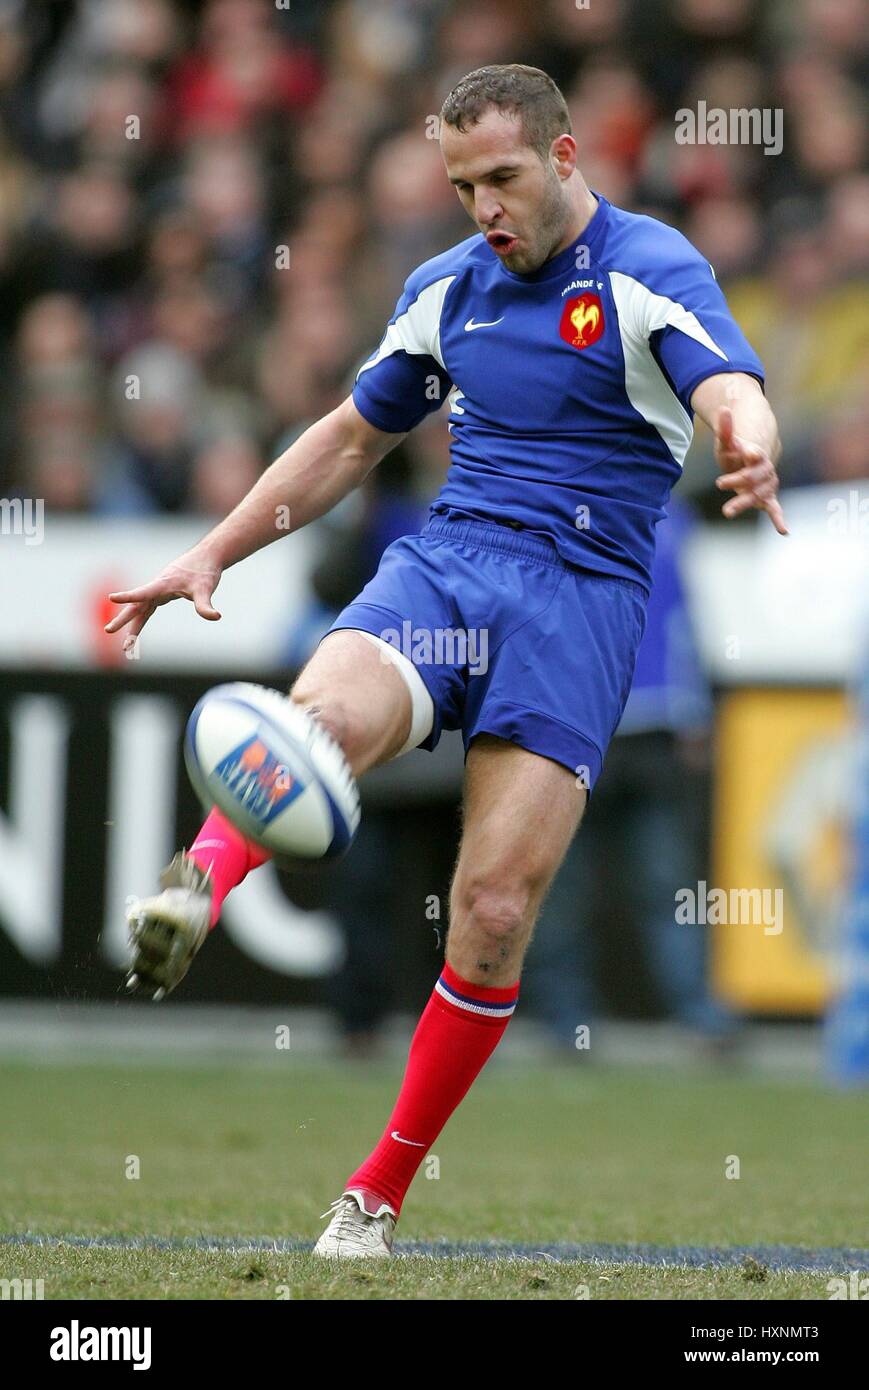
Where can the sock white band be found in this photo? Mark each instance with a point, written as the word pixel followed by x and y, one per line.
pixel 422 705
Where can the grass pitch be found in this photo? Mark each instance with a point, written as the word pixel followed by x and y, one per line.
pixel 536 1156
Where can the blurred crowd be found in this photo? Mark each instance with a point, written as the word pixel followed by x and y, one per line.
pixel 207 212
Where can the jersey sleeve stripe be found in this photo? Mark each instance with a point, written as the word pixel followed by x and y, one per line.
pixel 646 387
pixel 650 312
pixel 417 331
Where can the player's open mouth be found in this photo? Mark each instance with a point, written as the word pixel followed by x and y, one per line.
pixel 502 242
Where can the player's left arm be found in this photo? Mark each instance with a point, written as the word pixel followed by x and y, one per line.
pixel 747 444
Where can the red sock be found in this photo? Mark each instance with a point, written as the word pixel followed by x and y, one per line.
pixel 460 1028
pixel 230 857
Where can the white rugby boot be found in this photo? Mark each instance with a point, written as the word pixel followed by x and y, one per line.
pixel 167 930
pixel 361 1228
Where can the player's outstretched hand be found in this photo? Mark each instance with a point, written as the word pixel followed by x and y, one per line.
pixel 188 577
pixel 747 470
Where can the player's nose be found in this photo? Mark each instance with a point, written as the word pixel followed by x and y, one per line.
pixel 487 209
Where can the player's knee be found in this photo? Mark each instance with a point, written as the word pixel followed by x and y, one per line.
pixel 336 716
pixel 494 913
pixel 489 929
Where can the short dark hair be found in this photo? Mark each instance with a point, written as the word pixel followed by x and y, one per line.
pixel 515 89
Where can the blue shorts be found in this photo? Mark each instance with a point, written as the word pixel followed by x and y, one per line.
pixel 508 638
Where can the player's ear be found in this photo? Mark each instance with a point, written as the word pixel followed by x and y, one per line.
pixel 562 155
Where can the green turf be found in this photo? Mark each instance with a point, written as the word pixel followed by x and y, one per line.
pixel 564 1153
pixel 71 1272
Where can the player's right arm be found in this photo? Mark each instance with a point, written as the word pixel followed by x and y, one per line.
pixel 329 460
pixel 403 381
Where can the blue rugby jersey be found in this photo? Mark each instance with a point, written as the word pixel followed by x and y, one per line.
pixel 569 389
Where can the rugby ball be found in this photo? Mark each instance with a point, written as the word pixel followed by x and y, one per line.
pixel 273 771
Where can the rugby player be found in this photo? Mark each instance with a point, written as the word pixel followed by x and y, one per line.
pixel 574 342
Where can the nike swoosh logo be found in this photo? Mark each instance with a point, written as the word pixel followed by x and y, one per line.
pixel 395 1135
pixel 470 325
